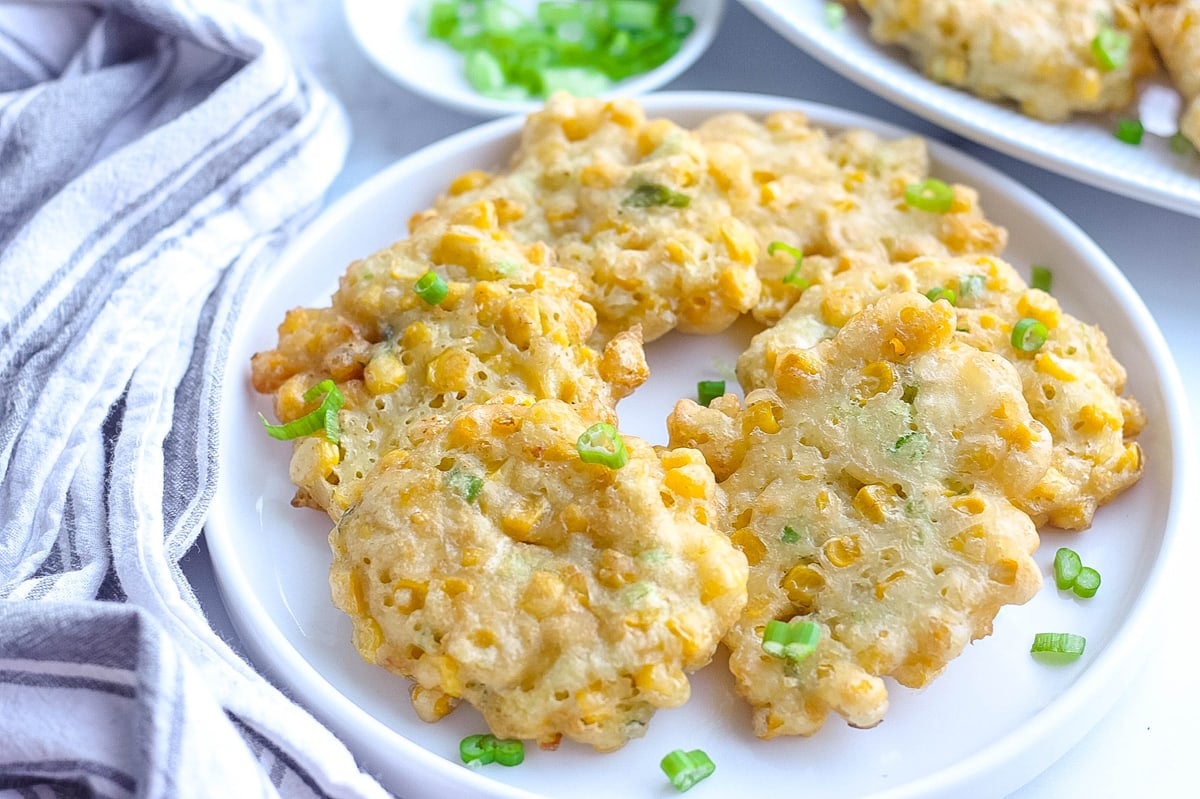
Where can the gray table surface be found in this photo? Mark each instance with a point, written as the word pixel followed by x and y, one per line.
pixel 1144 745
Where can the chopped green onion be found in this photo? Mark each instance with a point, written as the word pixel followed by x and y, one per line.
pixel 602 444
pixel 940 293
pixel 582 47
pixel 930 195
pixel 789 535
pixel 1129 131
pixel 479 750
pixel 685 769
pixel 1060 647
pixel 325 417
pixel 432 288
pixel 909 394
pixel 914 443
pixel 648 194
pixel 1067 566
pixel 792 277
pixel 1028 335
pixel 971 286
pixel 1041 277
pixel 1180 144
pixel 464 484
pixel 794 640
pixel 1110 48
pixel 709 390
pixel 1087 583
pixel 834 14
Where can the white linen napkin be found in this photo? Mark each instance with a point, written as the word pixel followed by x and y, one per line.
pixel 153 155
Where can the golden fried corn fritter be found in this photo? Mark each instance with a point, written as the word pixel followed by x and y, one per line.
pixel 870 494
pixel 838 199
pixel 558 597
pixel 1038 53
pixel 404 365
pixel 630 205
pixel 1072 383
pixel 1175 30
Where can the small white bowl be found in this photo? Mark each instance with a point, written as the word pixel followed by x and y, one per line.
pixel 393 36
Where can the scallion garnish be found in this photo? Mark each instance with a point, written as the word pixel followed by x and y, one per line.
pixel 1028 335
pixel 685 769
pixel 432 288
pixel 603 445
pixel 650 194
pixel 941 293
pixel 971 286
pixel 479 750
pixel 709 390
pixel 582 47
pixel 794 640
pixel 1067 566
pixel 793 277
pixel 834 14
pixel 930 195
pixel 1087 583
pixel 1110 48
pixel 1040 277
pixel 1180 144
pixel 1058 646
pixel 789 536
pixel 1129 131
pixel 464 484
pixel 324 417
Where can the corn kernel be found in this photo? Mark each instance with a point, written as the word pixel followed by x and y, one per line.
pixel 384 373
pixel 763 416
pixel 739 241
pixel 431 704
pixel 451 371
pixel 802 583
pixel 794 372
pixel 1050 364
pixel 870 501
pixel 1040 306
pixel 879 377
pixel 971 504
pixel 661 680
pixel 458 247
pixel 468 181
pixel 615 569
pixel 842 550
pixel 409 595
pixel 750 544
pixel 544 595
pixel 687 482
pixel 519 520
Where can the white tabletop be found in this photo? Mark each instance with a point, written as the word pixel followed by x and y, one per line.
pixel 1144 744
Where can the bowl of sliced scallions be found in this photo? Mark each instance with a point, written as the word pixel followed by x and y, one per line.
pixel 496 57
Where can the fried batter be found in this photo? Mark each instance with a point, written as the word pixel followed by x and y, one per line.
pixel 558 597
pixel 1038 53
pixel 405 365
pixel 838 199
pixel 1072 383
pixel 870 494
pixel 1175 30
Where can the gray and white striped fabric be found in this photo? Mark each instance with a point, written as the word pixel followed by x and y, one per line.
pixel 154 154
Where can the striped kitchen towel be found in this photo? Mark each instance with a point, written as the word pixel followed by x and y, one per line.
pixel 154 154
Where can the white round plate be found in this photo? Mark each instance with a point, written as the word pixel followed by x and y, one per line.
pixel 1083 148
pixel 993 721
pixel 393 35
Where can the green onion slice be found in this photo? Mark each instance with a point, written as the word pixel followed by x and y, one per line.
pixel 479 750
pixel 1067 566
pixel 793 277
pixel 650 194
pixel 1110 48
pixel 1087 583
pixel 1040 277
pixel 464 484
pixel 432 288
pixel 789 536
pixel 1028 335
pixel 930 195
pixel 325 417
pixel 834 14
pixel 971 285
pixel 1130 131
pixel 602 444
pixel 941 293
pixel 685 769
pixel 794 640
pixel 1058 646
pixel 1180 144
pixel 709 390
